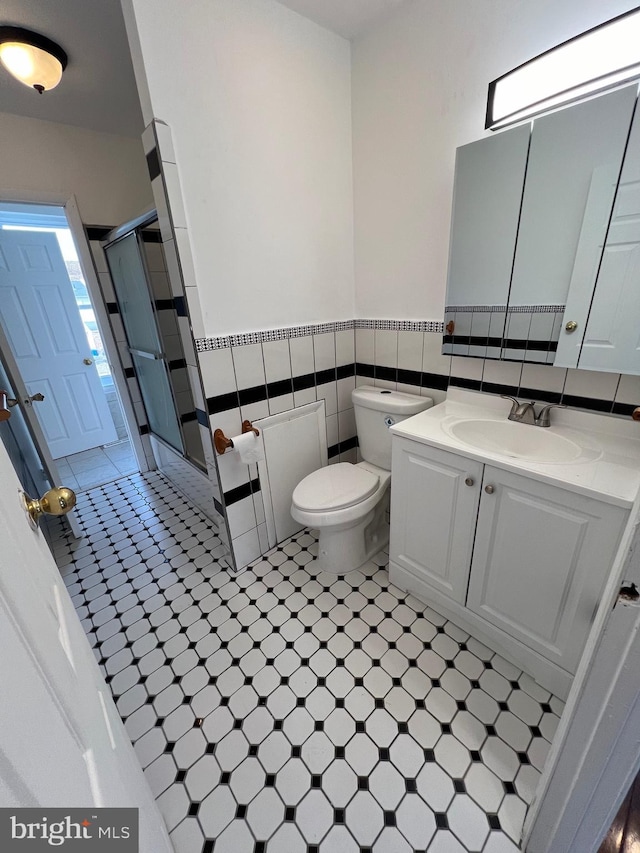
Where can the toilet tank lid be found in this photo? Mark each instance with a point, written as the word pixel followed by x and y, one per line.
pixel 334 487
pixel 394 402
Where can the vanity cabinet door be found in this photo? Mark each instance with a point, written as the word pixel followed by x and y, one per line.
pixel 434 505
pixel 540 562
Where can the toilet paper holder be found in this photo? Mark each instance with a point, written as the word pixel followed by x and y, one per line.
pixel 222 443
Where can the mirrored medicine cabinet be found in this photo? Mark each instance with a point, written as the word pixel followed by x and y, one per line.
pixel 544 259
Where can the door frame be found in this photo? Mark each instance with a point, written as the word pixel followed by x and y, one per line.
pixel 85 258
pixel 102 318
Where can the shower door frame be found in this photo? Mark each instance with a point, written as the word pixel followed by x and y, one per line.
pixel 134 227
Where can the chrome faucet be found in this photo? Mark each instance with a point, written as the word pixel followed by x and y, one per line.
pixel 525 413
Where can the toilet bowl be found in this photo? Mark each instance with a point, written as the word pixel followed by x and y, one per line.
pixel 347 503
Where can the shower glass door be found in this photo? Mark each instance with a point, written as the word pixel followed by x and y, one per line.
pixel 139 320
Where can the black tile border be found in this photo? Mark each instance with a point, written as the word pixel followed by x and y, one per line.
pixel 201 417
pixel 239 493
pixel 153 164
pixel 418 379
pixel 342 447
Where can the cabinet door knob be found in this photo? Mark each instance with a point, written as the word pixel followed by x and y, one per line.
pixel 469 481
pixel 489 490
pixel 571 326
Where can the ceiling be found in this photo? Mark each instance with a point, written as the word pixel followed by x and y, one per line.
pixel 98 90
pixel 348 18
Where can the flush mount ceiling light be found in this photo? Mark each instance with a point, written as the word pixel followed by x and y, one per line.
pixel 33 59
pixel 598 59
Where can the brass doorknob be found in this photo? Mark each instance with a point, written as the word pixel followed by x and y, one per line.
pixel 57 501
pixel 87 361
pixel 571 326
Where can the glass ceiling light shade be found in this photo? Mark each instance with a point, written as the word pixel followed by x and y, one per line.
pixel 598 59
pixel 32 59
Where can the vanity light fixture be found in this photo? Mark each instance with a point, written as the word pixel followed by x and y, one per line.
pixel 597 59
pixel 33 59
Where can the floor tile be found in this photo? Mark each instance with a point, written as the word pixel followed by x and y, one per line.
pixel 284 709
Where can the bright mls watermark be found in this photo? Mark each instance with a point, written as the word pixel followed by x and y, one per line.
pixel 86 830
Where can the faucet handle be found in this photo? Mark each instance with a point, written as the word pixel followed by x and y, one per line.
pixel 543 419
pixel 514 402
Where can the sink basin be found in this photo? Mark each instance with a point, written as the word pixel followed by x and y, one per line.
pixel 521 441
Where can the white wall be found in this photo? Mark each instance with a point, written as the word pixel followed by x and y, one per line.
pixel 259 104
pixel 419 90
pixel 50 162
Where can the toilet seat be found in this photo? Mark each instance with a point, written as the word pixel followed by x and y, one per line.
pixel 335 487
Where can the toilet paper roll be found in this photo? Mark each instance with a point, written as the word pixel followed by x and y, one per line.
pixel 249 447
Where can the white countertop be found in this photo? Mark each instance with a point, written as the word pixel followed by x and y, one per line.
pixel 607 467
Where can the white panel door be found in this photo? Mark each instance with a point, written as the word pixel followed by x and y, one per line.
pixel 434 504
pixel 540 562
pixel 62 743
pixel 41 320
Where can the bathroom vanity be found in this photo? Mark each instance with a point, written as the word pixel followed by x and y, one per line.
pixel 511 529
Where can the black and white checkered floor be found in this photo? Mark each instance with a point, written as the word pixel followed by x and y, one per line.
pixel 288 710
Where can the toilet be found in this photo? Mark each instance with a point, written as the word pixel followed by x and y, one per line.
pixel 348 503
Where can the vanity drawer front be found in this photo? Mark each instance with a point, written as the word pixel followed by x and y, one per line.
pixel 433 515
pixel 541 559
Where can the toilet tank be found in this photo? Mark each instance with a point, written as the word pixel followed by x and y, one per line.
pixel 377 409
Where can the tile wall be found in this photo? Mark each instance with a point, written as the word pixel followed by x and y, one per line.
pixel 261 374
pixel 413 359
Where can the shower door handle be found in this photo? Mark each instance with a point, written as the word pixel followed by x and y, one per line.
pixel 143 353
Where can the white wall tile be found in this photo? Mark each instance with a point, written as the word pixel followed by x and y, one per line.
pixel 386 348
pixel 345 389
pixel 174 195
pixel 218 375
pixel 248 365
pixel 282 403
pixel 324 348
pixel 410 345
pixel 432 359
pixel 365 346
pixel 328 393
pixel 173 267
pixel 183 248
pixel 302 361
pixel 332 430
pixel 307 395
pixel 255 411
pixel 541 377
pixel 345 347
pixel 277 361
pixel 589 383
pixel 165 142
pixel 502 372
pixel 229 421
pixel 346 424
pixel 466 368
pixel 629 390
pixel 246 548
pixel 233 472
pixel 241 517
